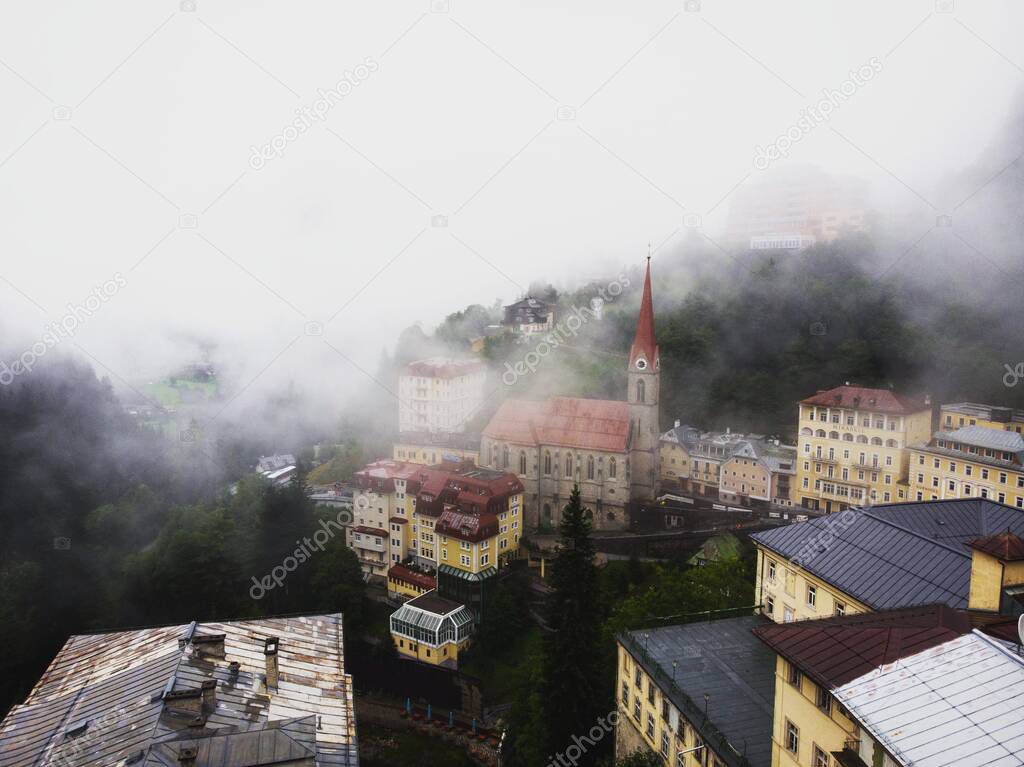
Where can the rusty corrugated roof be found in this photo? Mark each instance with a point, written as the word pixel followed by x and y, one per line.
pixel 107 697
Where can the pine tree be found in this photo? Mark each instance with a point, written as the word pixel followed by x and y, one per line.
pixel 572 696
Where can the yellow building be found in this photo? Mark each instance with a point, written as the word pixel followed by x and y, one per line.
pixel 397 504
pixel 886 558
pixel 972 461
pixel 432 448
pixel 432 630
pixel 408 582
pixel 697 695
pixel 838 701
pixel 854 447
pixel 674 457
pixel 960 414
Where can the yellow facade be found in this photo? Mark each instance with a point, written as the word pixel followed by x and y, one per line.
pixel 402 588
pixel 960 414
pixel 989 576
pixel 787 592
pixel 849 457
pixel 445 654
pixel 432 454
pixel 476 556
pixel 674 464
pixel 808 723
pixel 641 705
pixel 936 473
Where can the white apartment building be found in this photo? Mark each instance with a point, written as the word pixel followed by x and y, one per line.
pixel 440 394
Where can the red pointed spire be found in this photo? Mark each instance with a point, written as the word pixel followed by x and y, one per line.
pixel 644 344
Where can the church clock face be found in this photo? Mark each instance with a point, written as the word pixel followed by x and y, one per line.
pixel 641 364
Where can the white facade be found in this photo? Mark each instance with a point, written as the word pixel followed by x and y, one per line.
pixel 440 395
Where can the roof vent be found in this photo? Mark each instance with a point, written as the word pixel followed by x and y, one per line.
pixel 76 729
pixel 187 755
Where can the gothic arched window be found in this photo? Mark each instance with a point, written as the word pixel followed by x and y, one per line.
pixel 590 467
pixel 522 462
pixel 612 468
pixel 568 465
pixel 640 393
pixel 547 461
pixel 505 457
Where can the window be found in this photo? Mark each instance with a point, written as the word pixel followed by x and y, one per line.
pixel 568 466
pixel 636 708
pixel 820 758
pixel 792 737
pixel 823 700
pixel 547 461
pixel 770 606
pixel 794 676
pixel 612 468
pixel 522 462
pixel 771 571
pixel 664 743
pixel 590 467
pixel 640 391
pixel 812 595
pixel 636 678
pixel 650 691
pixel 840 608
pixel 650 725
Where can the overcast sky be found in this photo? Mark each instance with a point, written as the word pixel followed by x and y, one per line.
pixel 556 139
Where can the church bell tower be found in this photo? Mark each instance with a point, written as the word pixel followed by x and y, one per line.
pixel 644 383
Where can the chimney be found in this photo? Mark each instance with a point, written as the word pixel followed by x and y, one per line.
pixel 270 653
pixel 997 562
pixel 677 423
pixel 209 689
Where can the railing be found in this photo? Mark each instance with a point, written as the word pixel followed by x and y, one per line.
pixel 713 737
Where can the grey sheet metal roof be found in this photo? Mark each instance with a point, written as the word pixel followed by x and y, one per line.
pixel 129 689
pixel 981 436
pixel 725 660
pixel 898 555
pixel 959 703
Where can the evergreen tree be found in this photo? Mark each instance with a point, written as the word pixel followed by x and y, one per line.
pixel 572 697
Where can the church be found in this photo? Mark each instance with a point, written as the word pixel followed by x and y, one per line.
pixel 608 447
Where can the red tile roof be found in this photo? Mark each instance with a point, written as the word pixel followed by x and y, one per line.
pixel 1005 547
pixel 833 651
pixel 408 575
pixel 644 343
pixel 374 531
pixel 587 424
pixel 872 400
pixel 465 526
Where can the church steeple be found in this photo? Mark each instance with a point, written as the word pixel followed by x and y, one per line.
pixel 643 385
pixel 643 354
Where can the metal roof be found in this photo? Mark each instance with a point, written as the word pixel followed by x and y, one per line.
pixel 832 651
pixel 981 436
pixel 897 555
pixel 959 703
pixel 131 689
pixel 725 660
